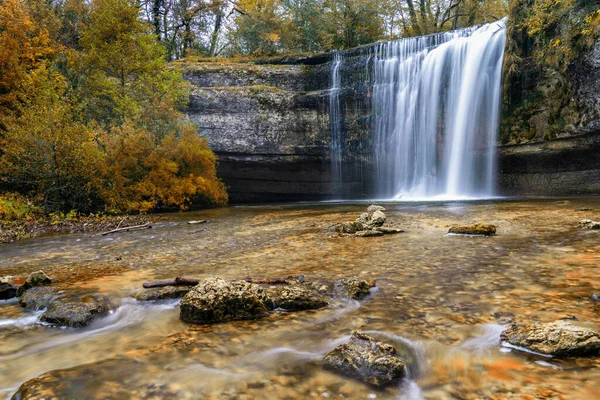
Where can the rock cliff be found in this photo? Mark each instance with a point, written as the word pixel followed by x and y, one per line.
pixel 269 123
pixel 269 126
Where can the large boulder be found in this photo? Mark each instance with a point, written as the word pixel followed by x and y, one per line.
pixel 163 293
pixel 38 298
pixel 560 338
pixel 38 278
pixel 298 297
pixel 476 229
pixel 353 288
pixel 7 291
pixel 76 312
pixel 363 358
pixel 377 218
pixel 217 300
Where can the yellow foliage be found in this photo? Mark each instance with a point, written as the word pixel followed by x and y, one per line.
pixel 24 46
pixel 142 174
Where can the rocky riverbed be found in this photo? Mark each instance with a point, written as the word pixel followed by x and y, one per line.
pixel 441 301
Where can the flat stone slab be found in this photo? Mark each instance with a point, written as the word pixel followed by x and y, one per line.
pixel 477 229
pixel 560 339
pixel 164 293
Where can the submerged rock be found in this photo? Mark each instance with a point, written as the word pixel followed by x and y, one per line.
pixel 388 230
pixel 7 279
pixel 589 224
pixel 164 293
pixel 560 338
pixel 349 227
pixel 353 288
pixel 217 300
pixel 477 229
pixel 38 298
pixel 76 313
pixel 362 357
pixel 7 291
pixel 38 278
pixel 369 233
pixel 299 297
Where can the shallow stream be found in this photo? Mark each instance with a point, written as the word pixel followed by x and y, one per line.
pixel 442 299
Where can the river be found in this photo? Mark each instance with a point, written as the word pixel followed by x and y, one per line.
pixel 444 299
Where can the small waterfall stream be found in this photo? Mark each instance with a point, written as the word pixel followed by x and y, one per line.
pixel 335 124
pixel 435 103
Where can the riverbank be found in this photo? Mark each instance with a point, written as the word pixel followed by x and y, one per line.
pixel 21 219
pixel 447 296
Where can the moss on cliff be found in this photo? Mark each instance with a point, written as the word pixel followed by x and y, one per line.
pixel 544 39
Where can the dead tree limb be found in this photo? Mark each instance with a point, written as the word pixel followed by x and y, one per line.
pixel 179 281
pixel 128 228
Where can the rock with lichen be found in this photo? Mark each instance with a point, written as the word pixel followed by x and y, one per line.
pixel 38 278
pixel 298 297
pixel 560 338
pixel 475 229
pixel 76 312
pixel 363 358
pixel 38 297
pixel 353 288
pixel 163 293
pixel 217 300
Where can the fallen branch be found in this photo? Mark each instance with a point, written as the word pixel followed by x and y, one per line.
pixel 128 228
pixel 179 281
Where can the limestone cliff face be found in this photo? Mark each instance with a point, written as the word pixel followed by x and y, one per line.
pixel 269 126
pixel 551 108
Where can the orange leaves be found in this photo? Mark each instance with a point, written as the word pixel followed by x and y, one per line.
pixel 23 47
pixel 143 174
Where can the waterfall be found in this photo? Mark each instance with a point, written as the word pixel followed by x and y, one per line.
pixel 436 102
pixel 335 125
pixel 435 111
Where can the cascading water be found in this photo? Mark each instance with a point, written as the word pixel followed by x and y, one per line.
pixel 436 103
pixel 335 125
pixel 435 109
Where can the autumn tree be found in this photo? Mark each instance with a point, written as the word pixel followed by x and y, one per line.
pixel 24 46
pixel 131 93
pixel 49 153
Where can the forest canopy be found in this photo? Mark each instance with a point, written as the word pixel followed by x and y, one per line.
pixel 89 112
pixel 259 27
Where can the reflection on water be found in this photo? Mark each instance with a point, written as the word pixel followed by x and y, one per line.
pixel 441 300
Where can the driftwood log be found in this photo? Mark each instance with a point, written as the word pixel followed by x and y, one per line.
pixel 127 228
pixel 181 281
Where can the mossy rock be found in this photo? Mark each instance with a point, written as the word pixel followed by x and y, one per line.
pixel 299 297
pixel 477 229
pixel 363 358
pixel 218 300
